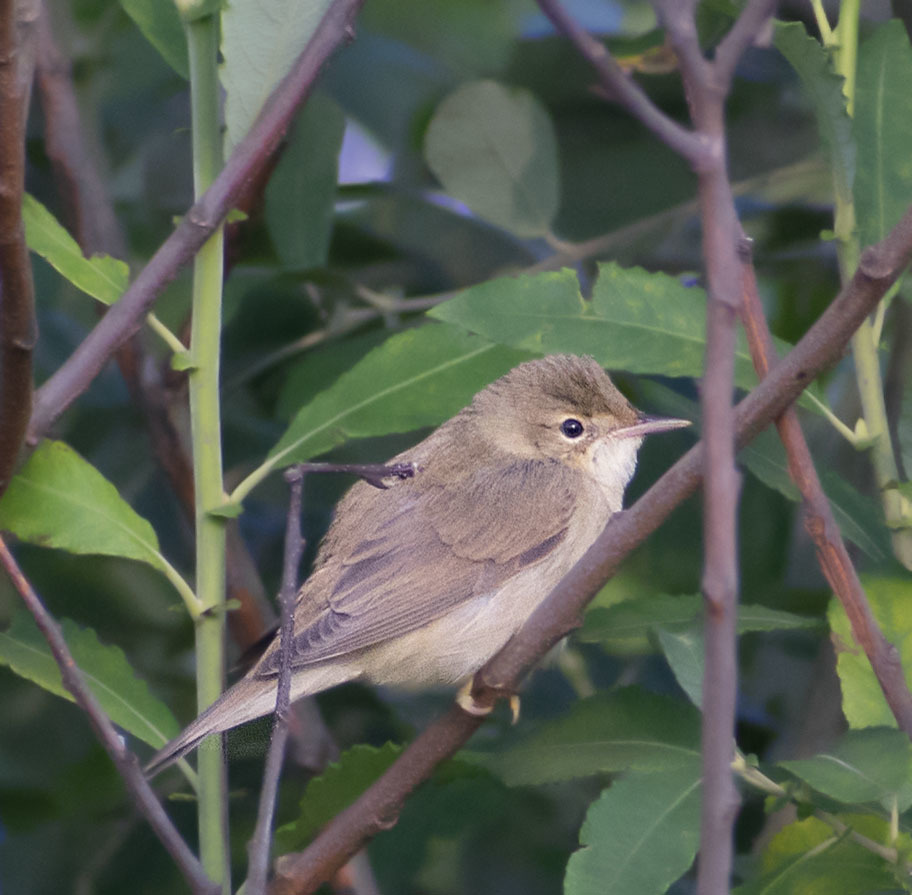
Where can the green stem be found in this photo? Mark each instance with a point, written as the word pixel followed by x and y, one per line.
pixel 886 472
pixel 202 41
pixel 826 33
pixel 193 604
pixel 834 420
pixel 165 334
pixel 254 478
pixel 865 341
pixel 847 48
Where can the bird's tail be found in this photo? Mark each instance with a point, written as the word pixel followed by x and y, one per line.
pixel 251 697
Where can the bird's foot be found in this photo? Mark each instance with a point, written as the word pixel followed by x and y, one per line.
pixel 467 703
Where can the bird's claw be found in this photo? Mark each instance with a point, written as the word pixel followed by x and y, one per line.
pixel 467 703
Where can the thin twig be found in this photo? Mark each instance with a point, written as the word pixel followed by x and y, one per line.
pixel 124 761
pixel 125 317
pixel 818 518
pixel 18 330
pixel 260 842
pixel 821 346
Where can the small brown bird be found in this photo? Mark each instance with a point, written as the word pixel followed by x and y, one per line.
pixel 420 584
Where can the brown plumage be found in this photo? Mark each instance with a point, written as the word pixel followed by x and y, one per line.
pixel 422 583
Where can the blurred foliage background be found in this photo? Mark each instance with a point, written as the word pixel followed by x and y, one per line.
pixel 303 305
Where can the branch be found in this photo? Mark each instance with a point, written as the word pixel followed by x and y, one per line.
pixel 706 86
pixel 18 330
pixel 818 519
pixel 126 315
pixel 623 88
pixel 124 760
pixel 822 346
pixel 294 547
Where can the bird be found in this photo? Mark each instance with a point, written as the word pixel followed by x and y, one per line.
pixel 420 583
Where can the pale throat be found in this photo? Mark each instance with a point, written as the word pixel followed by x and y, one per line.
pixel 612 464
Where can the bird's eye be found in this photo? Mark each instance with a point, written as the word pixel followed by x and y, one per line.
pixel 572 428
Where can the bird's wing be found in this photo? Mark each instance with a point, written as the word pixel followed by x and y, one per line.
pixel 421 552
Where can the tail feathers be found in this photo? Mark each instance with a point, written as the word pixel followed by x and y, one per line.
pixel 249 698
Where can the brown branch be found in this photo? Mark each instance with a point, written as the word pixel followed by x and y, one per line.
pixel 720 583
pixel 706 86
pixel 18 330
pixel 124 760
pixel 822 346
pixel 126 316
pixel 818 518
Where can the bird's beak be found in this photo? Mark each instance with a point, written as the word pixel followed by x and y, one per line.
pixel 649 425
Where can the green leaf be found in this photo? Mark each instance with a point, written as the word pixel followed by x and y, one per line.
pixel 301 193
pixel 493 147
pixel 627 628
pixel 860 518
pixel 335 789
pixel 416 378
pixel 162 27
pixel 100 276
pixel 863 766
pixel 684 652
pixel 863 701
pixel 639 836
pixel 883 131
pixel 260 41
pixel 825 90
pixel 807 857
pixel 125 698
pixel 627 729
pixel 637 321
pixel 60 500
